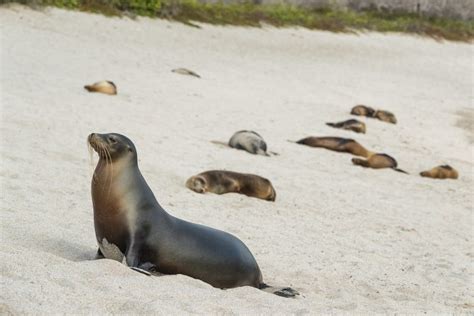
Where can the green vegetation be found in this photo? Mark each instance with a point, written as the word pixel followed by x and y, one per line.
pixel 249 14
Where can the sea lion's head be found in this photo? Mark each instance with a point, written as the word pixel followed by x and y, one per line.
pixel 113 146
pixel 197 184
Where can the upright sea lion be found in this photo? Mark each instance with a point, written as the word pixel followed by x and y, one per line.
pixel 385 116
pixel 107 87
pixel 352 125
pixel 184 71
pixel 339 144
pixel 249 141
pixel 441 172
pixel 362 110
pixel 129 220
pixel 220 182
pixel 378 161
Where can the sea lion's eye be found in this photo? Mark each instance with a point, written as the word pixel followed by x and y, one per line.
pixel 112 140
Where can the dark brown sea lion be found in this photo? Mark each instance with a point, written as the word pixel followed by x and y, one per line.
pixel 441 172
pixel 378 161
pixel 352 125
pixel 220 182
pixel 362 110
pixel 339 144
pixel 129 220
pixel 107 87
pixel 385 116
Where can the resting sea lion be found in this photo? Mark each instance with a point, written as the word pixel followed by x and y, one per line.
pixel 184 71
pixel 220 182
pixel 129 220
pixel 249 141
pixel 441 172
pixel 362 110
pixel 385 116
pixel 378 161
pixel 107 87
pixel 336 144
pixel 352 125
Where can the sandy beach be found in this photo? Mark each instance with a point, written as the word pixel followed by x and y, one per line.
pixel 350 240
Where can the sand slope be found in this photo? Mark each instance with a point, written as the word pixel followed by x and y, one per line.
pixel 349 239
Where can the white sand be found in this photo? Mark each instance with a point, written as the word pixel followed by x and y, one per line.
pixel 349 239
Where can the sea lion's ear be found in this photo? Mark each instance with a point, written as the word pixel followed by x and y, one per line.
pixel 130 149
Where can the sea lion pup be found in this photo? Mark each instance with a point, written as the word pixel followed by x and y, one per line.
pixel 184 71
pixel 385 116
pixel 362 110
pixel 352 125
pixel 249 141
pixel 128 217
pixel 107 87
pixel 378 161
pixel 338 144
pixel 441 172
pixel 221 181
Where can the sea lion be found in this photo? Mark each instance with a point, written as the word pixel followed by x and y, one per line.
pixel 184 71
pixel 378 161
pixel 107 87
pixel 336 144
pixel 249 141
pixel 362 110
pixel 220 182
pixel 385 116
pixel 441 172
pixel 128 216
pixel 352 125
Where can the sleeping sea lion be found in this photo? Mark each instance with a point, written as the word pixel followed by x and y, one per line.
pixel 336 144
pixel 441 172
pixel 130 224
pixel 220 182
pixel 378 161
pixel 184 71
pixel 362 110
pixel 249 141
pixel 352 125
pixel 107 87
pixel 385 116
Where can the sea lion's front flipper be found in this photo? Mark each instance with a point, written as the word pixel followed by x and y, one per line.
pixel 99 255
pixel 283 292
pixel 147 268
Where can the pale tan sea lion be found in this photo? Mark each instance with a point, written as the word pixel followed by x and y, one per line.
pixel 129 220
pixel 184 71
pixel 221 181
pixel 106 87
pixel 352 125
pixel 337 144
pixel 441 172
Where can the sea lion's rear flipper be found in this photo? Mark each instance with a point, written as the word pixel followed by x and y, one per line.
pixel 334 124
pixel 400 170
pixel 273 153
pixel 220 143
pixel 280 291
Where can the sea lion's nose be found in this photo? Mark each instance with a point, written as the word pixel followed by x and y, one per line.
pixel 90 137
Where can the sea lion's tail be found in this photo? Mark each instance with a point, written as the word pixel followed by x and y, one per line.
pixel 280 291
pixel 400 170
